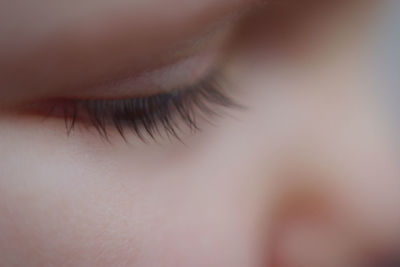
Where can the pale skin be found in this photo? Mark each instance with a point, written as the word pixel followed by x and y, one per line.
pixel 306 175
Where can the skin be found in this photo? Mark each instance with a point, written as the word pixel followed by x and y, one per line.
pixel 307 175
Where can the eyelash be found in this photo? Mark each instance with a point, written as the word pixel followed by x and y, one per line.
pixel 149 116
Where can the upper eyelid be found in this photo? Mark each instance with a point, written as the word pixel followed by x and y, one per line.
pixel 69 59
pixel 182 74
pixel 41 105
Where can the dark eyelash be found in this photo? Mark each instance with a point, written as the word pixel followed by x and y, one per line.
pixel 151 116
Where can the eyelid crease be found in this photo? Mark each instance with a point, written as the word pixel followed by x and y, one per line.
pixel 183 73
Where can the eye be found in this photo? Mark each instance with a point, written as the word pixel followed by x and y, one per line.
pixel 147 116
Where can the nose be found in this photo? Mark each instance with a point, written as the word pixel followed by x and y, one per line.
pixel 336 217
pixel 337 202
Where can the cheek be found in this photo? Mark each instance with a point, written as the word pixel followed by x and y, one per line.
pixel 78 205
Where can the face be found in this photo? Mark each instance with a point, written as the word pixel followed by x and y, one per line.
pixel 196 133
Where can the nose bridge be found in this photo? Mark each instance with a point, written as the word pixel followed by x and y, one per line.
pixel 318 149
pixel 388 59
pixel 281 186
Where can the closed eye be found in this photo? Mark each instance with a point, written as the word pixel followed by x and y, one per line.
pixel 151 116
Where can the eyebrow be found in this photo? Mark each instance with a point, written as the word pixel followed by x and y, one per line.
pixel 48 41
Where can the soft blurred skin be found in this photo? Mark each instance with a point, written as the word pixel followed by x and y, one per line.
pixel 306 175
